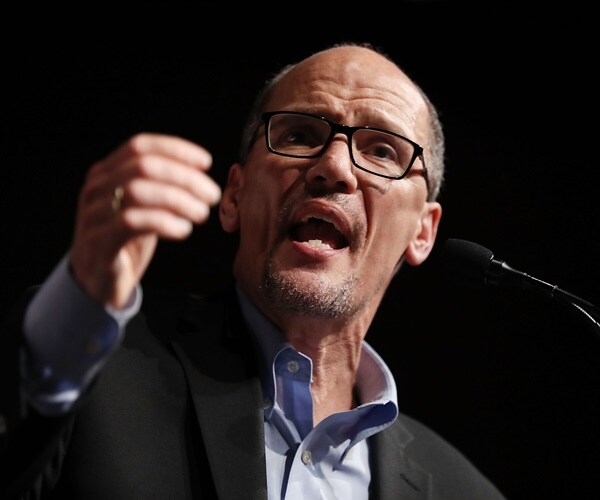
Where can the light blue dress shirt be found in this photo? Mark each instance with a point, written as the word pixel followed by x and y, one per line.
pixel 330 460
pixel 327 461
pixel 63 324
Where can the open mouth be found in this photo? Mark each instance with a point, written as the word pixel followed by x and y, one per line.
pixel 318 233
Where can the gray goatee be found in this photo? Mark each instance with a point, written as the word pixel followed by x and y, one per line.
pixel 321 299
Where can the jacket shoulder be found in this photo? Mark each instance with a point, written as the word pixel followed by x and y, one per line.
pixel 422 452
pixel 167 313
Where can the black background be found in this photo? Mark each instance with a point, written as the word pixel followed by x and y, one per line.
pixel 509 377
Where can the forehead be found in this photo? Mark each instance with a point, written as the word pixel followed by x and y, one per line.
pixel 355 86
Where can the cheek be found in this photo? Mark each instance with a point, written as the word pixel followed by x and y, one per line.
pixel 393 240
pixel 395 225
pixel 267 185
pixel 259 208
pixel 254 217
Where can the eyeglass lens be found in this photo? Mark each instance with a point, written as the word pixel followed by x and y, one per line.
pixel 306 136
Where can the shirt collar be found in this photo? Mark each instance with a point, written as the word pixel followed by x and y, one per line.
pixel 374 380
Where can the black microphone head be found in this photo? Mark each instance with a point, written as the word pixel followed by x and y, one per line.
pixel 466 262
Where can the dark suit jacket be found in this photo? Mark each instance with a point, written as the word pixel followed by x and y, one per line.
pixel 177 413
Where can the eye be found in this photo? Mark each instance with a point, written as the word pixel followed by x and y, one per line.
pixel 378 146
pixel 298 138
pixel 301 135
pixel 382 151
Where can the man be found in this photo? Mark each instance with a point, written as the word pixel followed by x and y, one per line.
pixel 268 389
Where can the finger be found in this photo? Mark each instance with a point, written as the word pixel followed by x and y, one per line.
pixel 172 147
pixel 146 194
pixel 169 171
pixel 143 194
pixel 156 168
pixel 108 237
pixel 164 224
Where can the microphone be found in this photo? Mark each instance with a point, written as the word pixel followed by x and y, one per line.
pixel 473 265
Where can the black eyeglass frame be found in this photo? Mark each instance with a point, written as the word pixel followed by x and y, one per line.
pixel 348 131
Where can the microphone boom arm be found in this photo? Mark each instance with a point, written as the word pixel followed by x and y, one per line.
pixel 471 261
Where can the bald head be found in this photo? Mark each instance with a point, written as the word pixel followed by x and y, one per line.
pixel 348 79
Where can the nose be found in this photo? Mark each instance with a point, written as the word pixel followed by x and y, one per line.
pixel 334 171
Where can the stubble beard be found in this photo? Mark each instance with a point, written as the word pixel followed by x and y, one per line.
pixel 320 299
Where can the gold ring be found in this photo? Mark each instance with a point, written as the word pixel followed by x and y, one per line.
pixel 117 198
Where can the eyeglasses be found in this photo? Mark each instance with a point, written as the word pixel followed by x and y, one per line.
pixel 374 150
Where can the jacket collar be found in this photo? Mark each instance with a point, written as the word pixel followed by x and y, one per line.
pixel 219 357
pixel 219 360
pixel 394 475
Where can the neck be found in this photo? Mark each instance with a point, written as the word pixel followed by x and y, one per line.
pixel 335 356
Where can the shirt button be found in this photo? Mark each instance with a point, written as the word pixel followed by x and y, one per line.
pixel 306 457
pixel 293 366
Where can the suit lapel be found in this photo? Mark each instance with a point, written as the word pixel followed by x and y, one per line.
pixel 219 358
pixel 216 353
pixel 394 475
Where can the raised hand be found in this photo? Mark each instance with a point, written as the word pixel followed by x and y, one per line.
pixel 151 187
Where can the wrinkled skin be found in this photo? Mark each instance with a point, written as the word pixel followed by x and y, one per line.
pixel 324 298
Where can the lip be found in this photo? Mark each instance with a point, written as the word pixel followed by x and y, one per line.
pixel 315 254
pixel 319 209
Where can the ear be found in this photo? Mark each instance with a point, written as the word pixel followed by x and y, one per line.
pixel 229 205
pixel 420 247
